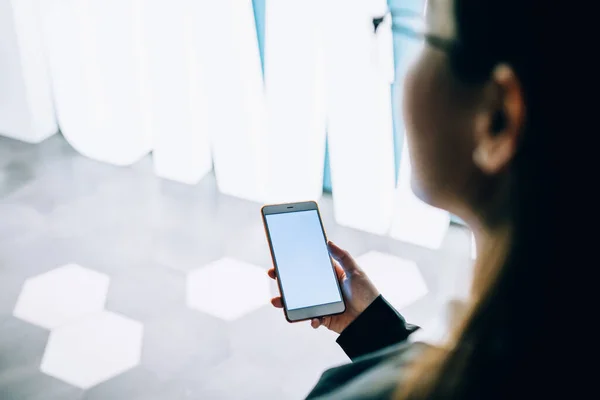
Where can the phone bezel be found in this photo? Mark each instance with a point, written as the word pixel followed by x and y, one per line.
pixel 301 314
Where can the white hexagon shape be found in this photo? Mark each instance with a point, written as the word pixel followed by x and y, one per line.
pixel 61 295
pixel 397 279
pixel 93 349
pixel 227 288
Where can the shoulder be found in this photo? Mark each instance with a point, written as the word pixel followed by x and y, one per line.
pixel 373 376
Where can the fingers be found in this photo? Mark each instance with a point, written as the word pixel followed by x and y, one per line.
pixel 277 302
pixel 342 256
pixel 318 322
pixel 339 271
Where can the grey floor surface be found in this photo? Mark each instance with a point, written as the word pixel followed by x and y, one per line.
pixel 58 207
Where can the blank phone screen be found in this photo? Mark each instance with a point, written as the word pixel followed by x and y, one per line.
pixel 303 264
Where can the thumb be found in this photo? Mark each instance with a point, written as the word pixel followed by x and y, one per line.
pixel 342 257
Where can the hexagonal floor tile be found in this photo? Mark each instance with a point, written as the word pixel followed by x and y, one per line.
pixel 93 349
pixel 227 288
pixel 398 280
pixel 61 295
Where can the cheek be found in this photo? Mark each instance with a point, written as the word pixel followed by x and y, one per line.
pixel 420 111
pixel 432 118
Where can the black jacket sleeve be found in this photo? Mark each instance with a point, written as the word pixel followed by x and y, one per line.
pixel 378 327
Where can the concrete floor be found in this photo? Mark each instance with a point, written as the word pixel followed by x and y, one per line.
pixel 135 243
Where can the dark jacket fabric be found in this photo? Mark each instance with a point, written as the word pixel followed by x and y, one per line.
pixel 376 342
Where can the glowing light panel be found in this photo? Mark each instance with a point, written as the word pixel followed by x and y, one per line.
pixel 26 109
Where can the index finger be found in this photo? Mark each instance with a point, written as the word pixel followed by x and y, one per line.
pixel 271 273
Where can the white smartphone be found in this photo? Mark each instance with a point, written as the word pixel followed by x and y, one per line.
pixel 305 273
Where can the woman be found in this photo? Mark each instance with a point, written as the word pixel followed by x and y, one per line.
pixel 474 130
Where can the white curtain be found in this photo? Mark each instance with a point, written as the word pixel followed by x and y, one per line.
pixel 183 79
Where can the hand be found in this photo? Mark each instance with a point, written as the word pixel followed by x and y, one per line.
pixel 359 292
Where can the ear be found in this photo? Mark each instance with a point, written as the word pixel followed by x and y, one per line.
pixel 498 126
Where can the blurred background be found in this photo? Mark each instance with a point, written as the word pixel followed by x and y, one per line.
pixel 138 141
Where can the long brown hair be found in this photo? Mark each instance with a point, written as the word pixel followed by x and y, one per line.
pixel 492 352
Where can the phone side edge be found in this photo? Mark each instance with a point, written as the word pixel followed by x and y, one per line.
pixel 274 262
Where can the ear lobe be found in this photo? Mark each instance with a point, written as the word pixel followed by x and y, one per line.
pixel 493 155
pixel 480 158
pixel 495 147
pixel 498 129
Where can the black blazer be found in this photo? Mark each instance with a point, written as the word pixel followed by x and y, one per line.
pixel 376 344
